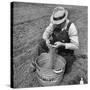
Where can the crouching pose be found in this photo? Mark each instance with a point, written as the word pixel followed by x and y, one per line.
pixel 61 33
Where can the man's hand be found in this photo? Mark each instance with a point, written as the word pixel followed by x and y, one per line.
pixel 58 44
pixel 48 43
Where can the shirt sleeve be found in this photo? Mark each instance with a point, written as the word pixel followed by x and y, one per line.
pixel 74 41
pixel 48 31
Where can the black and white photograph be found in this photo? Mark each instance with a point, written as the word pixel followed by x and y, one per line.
pixel 49 44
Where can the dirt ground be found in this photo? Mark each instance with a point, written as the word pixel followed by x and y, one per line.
pixel 29 23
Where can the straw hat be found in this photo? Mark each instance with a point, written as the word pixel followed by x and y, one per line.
pixel 59 15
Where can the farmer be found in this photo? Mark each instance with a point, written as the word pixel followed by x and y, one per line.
pixel 62 34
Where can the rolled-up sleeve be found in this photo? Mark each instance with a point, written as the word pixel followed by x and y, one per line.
pixel 47 32
pixel 74 40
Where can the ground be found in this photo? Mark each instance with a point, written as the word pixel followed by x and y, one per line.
pixel 29 23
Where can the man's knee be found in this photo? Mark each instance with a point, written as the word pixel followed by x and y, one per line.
pixel 42 47
pixel 42 42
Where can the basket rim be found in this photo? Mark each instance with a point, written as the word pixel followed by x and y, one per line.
pixel 38 67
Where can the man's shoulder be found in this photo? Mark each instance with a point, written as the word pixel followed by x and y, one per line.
pixel 68 24
pixel 71 22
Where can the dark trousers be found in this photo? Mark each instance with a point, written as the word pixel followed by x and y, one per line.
pixel 69 57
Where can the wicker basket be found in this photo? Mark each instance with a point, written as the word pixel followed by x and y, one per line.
pixel 47 76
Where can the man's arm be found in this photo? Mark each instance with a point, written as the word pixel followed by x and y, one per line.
pixel 73 34
pixel 48 32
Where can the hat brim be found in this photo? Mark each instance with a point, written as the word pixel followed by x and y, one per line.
pixel 59 21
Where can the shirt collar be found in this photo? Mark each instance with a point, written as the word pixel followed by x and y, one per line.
pixel 64 28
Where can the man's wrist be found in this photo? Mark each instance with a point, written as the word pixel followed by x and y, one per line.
pixel 64 44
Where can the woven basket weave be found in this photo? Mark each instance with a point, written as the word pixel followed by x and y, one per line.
pixel 45 74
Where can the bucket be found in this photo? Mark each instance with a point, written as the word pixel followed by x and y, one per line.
pixel 47 76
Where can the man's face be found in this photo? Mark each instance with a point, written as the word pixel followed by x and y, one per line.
pixel 60 25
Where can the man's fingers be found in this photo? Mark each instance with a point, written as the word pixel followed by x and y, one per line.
pixel 54 46
pixel 47 41
pixel 55 43
pixel 58 43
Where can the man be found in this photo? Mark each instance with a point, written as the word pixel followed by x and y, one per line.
pixel 62 34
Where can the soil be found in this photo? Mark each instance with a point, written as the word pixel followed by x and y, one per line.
pixel 29 23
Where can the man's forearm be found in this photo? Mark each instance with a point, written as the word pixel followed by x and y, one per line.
pixel 71 46
pixel 48 31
